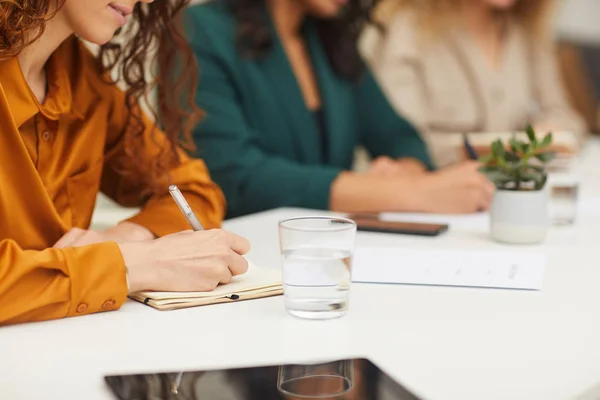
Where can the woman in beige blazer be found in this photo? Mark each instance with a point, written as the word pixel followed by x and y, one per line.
pixel 469 66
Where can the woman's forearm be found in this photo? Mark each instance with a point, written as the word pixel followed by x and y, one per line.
pixel 458 189
pixel 353 192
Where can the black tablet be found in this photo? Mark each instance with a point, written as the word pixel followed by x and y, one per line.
pixel 356 379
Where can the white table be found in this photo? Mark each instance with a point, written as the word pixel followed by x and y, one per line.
pixel 442 343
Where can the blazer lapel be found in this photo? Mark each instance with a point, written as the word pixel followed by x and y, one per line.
pixel 284 85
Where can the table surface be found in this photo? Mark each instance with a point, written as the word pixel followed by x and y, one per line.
pixel 441 342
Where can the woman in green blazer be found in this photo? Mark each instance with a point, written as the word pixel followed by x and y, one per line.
pixel 287 100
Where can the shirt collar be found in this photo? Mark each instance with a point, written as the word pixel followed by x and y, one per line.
pixel 21 100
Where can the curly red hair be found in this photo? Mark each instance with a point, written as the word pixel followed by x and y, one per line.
pixel 154 35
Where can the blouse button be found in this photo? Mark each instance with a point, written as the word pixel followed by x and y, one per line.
pixel 108 304
pixel 82 307
pixel 46 136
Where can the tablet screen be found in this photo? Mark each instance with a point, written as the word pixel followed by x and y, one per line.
pixel 356 379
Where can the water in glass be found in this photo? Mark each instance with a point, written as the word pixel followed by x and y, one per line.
pixel 317 281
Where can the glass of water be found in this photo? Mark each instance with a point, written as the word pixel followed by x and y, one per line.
pixel 317 381
pixel 317 264
pixel 564 193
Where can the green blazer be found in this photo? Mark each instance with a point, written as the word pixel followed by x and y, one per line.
pixel 260 142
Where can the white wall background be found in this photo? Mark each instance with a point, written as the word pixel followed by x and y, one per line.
pixel 580 20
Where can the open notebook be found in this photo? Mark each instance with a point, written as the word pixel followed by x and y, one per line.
pixel 254 284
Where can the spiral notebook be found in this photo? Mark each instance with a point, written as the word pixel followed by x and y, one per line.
pixel 256 283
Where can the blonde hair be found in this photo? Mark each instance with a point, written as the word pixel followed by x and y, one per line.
pixel 436 15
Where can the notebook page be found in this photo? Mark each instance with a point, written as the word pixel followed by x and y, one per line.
pixel 255 278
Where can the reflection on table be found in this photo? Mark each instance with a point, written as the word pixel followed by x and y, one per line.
pixel 369 383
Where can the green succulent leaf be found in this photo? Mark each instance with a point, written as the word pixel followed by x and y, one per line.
pixel 537 168
pixel 489 169
pixel 498 149
pixel 500 162
pixel 547 140
pixel 530 133
pixel 494 172
pixel 546 156
pixel 508 166
pixel 512 157
pixel 486 159
pixel 515 145
pixel 542 182
pixel 528 177
pixel 500 180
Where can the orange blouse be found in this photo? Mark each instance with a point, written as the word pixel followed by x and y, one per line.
pixel 54 157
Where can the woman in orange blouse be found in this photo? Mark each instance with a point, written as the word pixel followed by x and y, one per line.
pixel 67 131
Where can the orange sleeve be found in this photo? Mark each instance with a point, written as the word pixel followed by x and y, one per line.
pixel 56 283
pixel 159 213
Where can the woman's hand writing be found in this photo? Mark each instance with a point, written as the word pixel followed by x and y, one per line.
pixel 185 261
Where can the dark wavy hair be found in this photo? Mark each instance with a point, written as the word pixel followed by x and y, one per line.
pixel 154 35
pixel 338 35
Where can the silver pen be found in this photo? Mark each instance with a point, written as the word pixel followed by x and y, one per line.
pixel 194 222
pixel 185 208
pixel 175 385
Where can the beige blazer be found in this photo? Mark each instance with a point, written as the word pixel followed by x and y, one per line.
pixel 446 87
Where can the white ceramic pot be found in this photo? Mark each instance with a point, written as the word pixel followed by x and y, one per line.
pixel 519 217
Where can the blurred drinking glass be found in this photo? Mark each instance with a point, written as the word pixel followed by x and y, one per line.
pixel 316 381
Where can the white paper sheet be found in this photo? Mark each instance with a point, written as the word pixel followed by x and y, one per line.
pixel 486 269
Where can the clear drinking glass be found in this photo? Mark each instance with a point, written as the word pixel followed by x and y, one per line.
pixel 317 381
pixel 316 255
pixel 564 193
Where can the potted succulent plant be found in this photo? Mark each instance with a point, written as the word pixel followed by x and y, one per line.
pixel 519 212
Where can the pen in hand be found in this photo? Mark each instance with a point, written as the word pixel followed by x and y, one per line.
pixel 185 208
pixel 194 222
pixel 469 148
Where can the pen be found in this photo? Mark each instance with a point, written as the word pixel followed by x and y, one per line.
pixel 469 148
pixel 194 222
pixel 175 385
pixel 185 208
